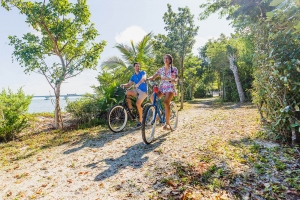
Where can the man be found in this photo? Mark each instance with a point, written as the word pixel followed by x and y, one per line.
pixel 140 91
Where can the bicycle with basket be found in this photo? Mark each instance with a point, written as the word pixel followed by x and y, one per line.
pixel 118 115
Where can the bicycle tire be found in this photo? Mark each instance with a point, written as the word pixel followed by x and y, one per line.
pixel 148 125
pixel 173 115
pixel 119 114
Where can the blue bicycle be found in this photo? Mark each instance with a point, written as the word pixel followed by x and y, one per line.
pixel 154 115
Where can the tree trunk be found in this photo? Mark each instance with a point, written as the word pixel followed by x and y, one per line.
pixel 181 82
pixel 58 124
pixel 234 69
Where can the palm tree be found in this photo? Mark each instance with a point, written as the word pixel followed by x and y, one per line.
pixel 141 52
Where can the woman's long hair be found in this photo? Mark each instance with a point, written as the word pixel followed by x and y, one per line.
pixel 171 63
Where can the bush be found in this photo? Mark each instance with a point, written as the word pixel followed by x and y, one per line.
pixel 277 80
pixel 13 113
pixel 200 91
pixel 92 109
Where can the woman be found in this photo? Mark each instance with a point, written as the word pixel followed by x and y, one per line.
pixel 169 76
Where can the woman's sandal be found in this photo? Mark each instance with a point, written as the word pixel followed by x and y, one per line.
pixel 167 127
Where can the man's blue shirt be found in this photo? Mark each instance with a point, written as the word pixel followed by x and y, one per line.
pixel 136 78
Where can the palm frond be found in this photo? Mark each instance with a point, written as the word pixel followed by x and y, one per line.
pixel 127 53
pixel 144 47
pixel 112 63
pixel 133 49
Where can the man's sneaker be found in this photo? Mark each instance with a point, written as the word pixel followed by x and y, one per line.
pixel 138 125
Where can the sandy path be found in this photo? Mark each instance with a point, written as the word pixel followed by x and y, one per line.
pixel 115 166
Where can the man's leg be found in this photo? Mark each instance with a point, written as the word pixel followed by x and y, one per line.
pixel 142 96
pixel 130 93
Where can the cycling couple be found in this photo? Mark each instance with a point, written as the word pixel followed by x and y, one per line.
pixel 169 76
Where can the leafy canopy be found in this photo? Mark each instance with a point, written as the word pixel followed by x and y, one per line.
pixel 63 31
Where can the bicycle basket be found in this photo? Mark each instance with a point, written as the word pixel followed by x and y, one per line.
pixel 155 89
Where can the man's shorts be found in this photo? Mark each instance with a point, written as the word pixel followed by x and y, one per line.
pixel 141 95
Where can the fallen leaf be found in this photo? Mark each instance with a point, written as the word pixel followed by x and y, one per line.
pixel 118 187
pixel 45 185
pixel 9 193
pixel 70 181
pixel 16 167
pixel 129 195
pixel 171 183
pixel 101 185
pixel 22 194
pixel 39 191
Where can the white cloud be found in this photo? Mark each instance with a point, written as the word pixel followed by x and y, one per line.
pixel 134 33
pixel 200 42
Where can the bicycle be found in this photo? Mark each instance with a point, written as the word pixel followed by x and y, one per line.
pixel 155 112
pixel 118 115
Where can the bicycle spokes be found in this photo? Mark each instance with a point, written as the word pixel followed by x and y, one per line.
pixel 117 118
pixel 149 124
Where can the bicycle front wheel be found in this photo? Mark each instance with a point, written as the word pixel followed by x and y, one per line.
pixel 117 118
pixel 148 124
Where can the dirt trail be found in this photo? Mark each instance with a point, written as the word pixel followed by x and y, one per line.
pixel 121 166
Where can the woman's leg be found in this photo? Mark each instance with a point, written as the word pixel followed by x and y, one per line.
pixel 158 96
pixel 167 100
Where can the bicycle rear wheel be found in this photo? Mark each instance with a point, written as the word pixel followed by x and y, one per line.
pixel 117 118
pixel 148 124
pixel 173 115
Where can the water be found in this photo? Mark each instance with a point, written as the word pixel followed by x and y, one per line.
pixel 41 105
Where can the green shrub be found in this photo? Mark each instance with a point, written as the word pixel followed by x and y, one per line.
pixel 13 113
pixel 200 91
pixel 277 80
pixel 92 109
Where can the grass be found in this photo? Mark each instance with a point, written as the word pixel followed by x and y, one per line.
pixel 31 143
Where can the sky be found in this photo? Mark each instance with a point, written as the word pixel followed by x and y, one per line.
pixel 117 21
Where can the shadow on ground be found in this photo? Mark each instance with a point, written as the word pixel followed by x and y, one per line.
pixel 97 141
pixel 133 157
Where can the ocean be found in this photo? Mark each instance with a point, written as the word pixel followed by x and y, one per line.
pixel 39 104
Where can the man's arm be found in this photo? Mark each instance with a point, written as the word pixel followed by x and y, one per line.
pixel 130 83
pixel 143 79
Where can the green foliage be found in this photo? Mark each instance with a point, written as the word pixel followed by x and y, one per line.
pixel 92 109
pixel 192 75
pixel 277 80
pixel 181 32
pixel 215 55
pixel 200 91
pixel 13 116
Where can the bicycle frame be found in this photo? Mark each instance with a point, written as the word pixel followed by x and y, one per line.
pixel 159 109
pixel 125 105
